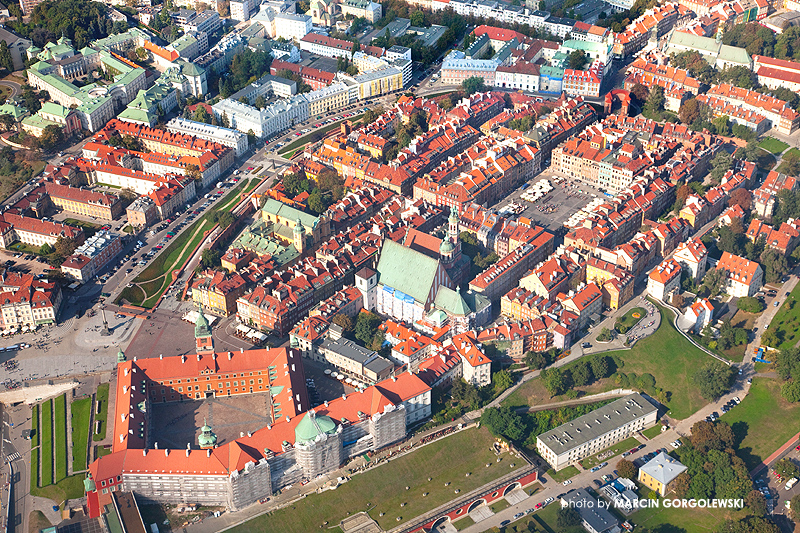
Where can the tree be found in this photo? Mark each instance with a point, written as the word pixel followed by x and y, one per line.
pixel 626 469
pixel 741 197
pixel 6 61
pixel 193 172
pixel 223 218
pixel 355 48
pixel 224 8
pixel 581 373
pixel 786 468
pixel 714 282
pixel 260 102
pixel 316 203
pixel 503 422
pixel 751 152
pixel 554 382
pixel 52 136
pixel 791 391
pixel 535 360
pixel 210 258
pixel 775 265
pixel 418 19
pixel 577 59
pixel 721 163
pixel 795 503
pixel 711 436
pixel 502 380
pixel 600 366
pixel 7 121
pixel 567 517
pixel 367 324
pixel 655 100
pixel 45 249
pixel 722 125
pixel 344 321
pixel 689 111
pixel 681 486
pixel 201 115
pixel 749 304
pixel 640 92
pixel 472 85
pixel 714 379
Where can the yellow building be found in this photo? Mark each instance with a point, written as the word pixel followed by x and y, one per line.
pixel 615 282
pixel 379 82
pixel 659 473
pixel 328 99
pixel 84 202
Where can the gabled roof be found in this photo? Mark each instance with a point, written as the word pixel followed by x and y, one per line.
pixel 406 270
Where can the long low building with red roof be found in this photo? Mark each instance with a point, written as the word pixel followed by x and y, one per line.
pixel 296 443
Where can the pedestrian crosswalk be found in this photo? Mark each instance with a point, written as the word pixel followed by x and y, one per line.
pixel 13 457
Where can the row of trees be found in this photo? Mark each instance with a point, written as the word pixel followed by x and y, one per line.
pixel 584 372
pixel 247 66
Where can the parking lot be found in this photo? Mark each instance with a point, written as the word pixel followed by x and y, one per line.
pixel 567 197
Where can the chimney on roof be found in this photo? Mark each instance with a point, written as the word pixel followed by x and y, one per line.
pixel 134 358
pixel 144 452
pixel 156 445
pixel 198 357
pixel 230 356
pixel 241 350
pixel 187 452
pixel 208 453
pixel 249 434
pixel 183 359
pixel 161 356
pixel 166 452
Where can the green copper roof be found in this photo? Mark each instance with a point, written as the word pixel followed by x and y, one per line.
pixel 201 327
pixel 88 484
pixel 311 426
pixel 451 302
pixel 282 210
pixel 407 270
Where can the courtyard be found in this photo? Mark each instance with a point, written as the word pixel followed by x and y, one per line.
pixel 176 424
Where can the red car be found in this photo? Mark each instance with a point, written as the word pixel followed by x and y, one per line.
pixel 249 168
pixel 798 448
pixel 538 505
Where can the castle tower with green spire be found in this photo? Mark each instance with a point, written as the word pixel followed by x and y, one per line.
pixel 202 333
pixel 207 439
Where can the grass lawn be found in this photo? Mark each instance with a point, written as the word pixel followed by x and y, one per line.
pixel 630 319
pixel 463 523
pixel 81 417
pixel 499 505
pixel 70 488
pixel 100 451
pixel 773 145
pixel 314 136
pixel 155 278
pixel 9 184
pixel 783 167
pixel 35 425
pixel 763 367
pixel 88 228
pixel 786 323
pixel 760 435
pixel 37 521
pixel 563 474
pixel 652 432
pixel 34 467
pixel 617 449
pixel 47 443
pixel 102 403
pixel 666 354
pixel 382 489
pixel 60 436
pixel 547 519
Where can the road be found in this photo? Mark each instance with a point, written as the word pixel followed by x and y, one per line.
pixel 15 87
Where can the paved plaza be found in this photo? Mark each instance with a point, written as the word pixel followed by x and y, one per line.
pixel 177 424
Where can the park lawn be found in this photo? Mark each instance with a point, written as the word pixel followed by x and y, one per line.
pixel 628 320
pixel 101 451
pixel 382 488
pixel 60 436
pixel 81 417
pixel 533 392
pixel 617 449
pixel 47 443
pixel 563 474
pixel 786 323
pixel 156 277
pixel 759 435
pixel 315 135
pixel 773 145
pixel 547 519
pixel 37 521
pixel 101 400
pixel 34 467
pixel 35 425
pixel 761 368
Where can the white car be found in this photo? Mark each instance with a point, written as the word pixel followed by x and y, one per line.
pixel 567 482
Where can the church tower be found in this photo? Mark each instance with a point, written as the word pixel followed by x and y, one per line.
pixel 207 439
pixel 202 333
pixel 299 237
pixel 452 234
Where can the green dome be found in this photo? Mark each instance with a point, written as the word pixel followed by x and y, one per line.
pixel 298 227
pixel 446 248
pixel 311 426
pixel 207 438
pixel 88 484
